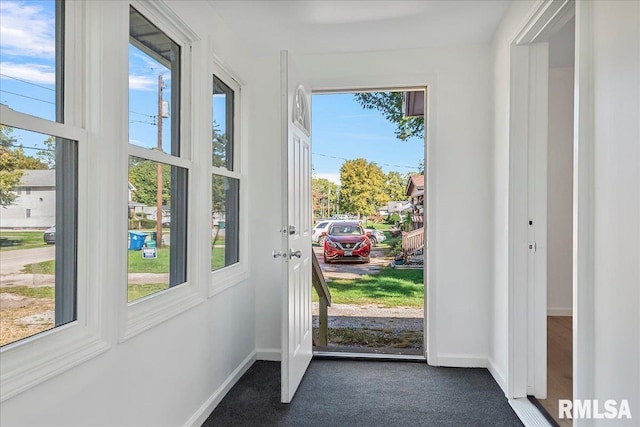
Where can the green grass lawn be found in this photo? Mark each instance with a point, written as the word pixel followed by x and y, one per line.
pixel 44 267
pixel 217 258
pixel 383 226
pixel 389 288
pixel 135 292
pixel 26 291
pixel 12 240
pixel 137 264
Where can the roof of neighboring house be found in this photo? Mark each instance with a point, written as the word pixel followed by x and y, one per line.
pixel 416 182
pixel 38 178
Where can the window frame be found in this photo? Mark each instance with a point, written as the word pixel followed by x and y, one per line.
pixel 30 361
pixel 231 275
pixel 149 311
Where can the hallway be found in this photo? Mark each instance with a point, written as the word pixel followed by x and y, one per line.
pixel 367 393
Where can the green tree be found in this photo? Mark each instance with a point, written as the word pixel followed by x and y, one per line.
pixel 13 163
pixel 143 174
pixel 363 187
pixel 325 197
pixel 48 155
pixel 395 185
pixel 390 105
pixel 218 147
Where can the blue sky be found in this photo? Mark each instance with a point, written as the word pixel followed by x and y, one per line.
pixel 342 128
pixel 27 80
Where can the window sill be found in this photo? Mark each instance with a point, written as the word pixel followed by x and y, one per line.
pixel 27 363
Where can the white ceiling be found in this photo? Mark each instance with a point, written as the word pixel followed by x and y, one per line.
pixel 347 26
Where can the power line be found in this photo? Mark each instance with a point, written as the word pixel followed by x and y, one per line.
pixel 28 97
pixel 142 114
pixel 30 148
pixel 382 164
pixel 27 82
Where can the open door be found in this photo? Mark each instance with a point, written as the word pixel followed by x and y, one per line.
pixel 296 230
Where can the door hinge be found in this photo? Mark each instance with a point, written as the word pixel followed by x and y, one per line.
pixel 532 247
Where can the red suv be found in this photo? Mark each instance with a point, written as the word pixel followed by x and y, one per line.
pixel 346 241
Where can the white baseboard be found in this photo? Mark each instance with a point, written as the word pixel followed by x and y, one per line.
pixel 559 311
pixel 269 354
pixel 462 360
pixel 497 375
pixel 207 407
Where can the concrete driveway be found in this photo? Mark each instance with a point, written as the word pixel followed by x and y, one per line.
pixel 351 270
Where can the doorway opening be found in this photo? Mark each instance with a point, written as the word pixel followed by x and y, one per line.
pixel 368 188
pixel 560 221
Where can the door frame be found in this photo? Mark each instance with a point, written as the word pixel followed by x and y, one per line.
pixel 430 308
pixel 527 287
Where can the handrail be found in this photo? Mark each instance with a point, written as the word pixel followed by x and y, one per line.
pixel 412 241
pixel 324 296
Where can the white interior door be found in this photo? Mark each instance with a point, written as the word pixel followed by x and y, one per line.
pixel 296 183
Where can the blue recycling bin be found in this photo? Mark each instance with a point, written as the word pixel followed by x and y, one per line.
pixel 136 240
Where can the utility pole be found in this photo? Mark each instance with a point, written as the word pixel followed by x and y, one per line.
pixel 159 173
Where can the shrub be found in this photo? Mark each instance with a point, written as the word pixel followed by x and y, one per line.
pixel 394 218
pixel 141 223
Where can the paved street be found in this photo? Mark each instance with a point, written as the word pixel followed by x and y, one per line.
pixel 14 261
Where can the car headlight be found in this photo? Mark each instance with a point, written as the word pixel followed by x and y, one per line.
pixel 330 243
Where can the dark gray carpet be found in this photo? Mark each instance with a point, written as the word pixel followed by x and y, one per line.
pixel 367 393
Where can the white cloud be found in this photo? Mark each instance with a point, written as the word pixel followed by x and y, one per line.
pixel 333 177
pixel 26 31
pixel 35 73
pixel 142 83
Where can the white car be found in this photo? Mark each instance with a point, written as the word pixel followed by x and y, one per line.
pixel 321 227
pixel 376 236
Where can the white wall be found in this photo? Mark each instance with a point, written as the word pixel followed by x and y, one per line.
pixel 459 81
pixel 265 174
pixel 616 211
pixel 560 192
pixel 172 372
pixel 498 336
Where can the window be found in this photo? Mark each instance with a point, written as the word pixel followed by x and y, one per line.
pixel 225 181
pixel 42 160
pixel 31 49
pixel 158 173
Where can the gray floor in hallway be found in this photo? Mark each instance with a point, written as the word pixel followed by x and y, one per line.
pixel 367 393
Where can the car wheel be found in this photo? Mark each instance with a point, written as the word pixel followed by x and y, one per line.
pixel 321 241
pixel 374 241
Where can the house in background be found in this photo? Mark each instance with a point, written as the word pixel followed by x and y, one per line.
pixel 35 204
pixel 415 192
pixel 398 207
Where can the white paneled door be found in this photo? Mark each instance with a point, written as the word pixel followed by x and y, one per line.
pixel 296 230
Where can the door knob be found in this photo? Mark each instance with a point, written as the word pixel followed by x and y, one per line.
pixel 296 254
pixel 277 254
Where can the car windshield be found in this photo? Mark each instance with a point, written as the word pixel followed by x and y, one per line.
pixel 346 230
pixel 321 225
